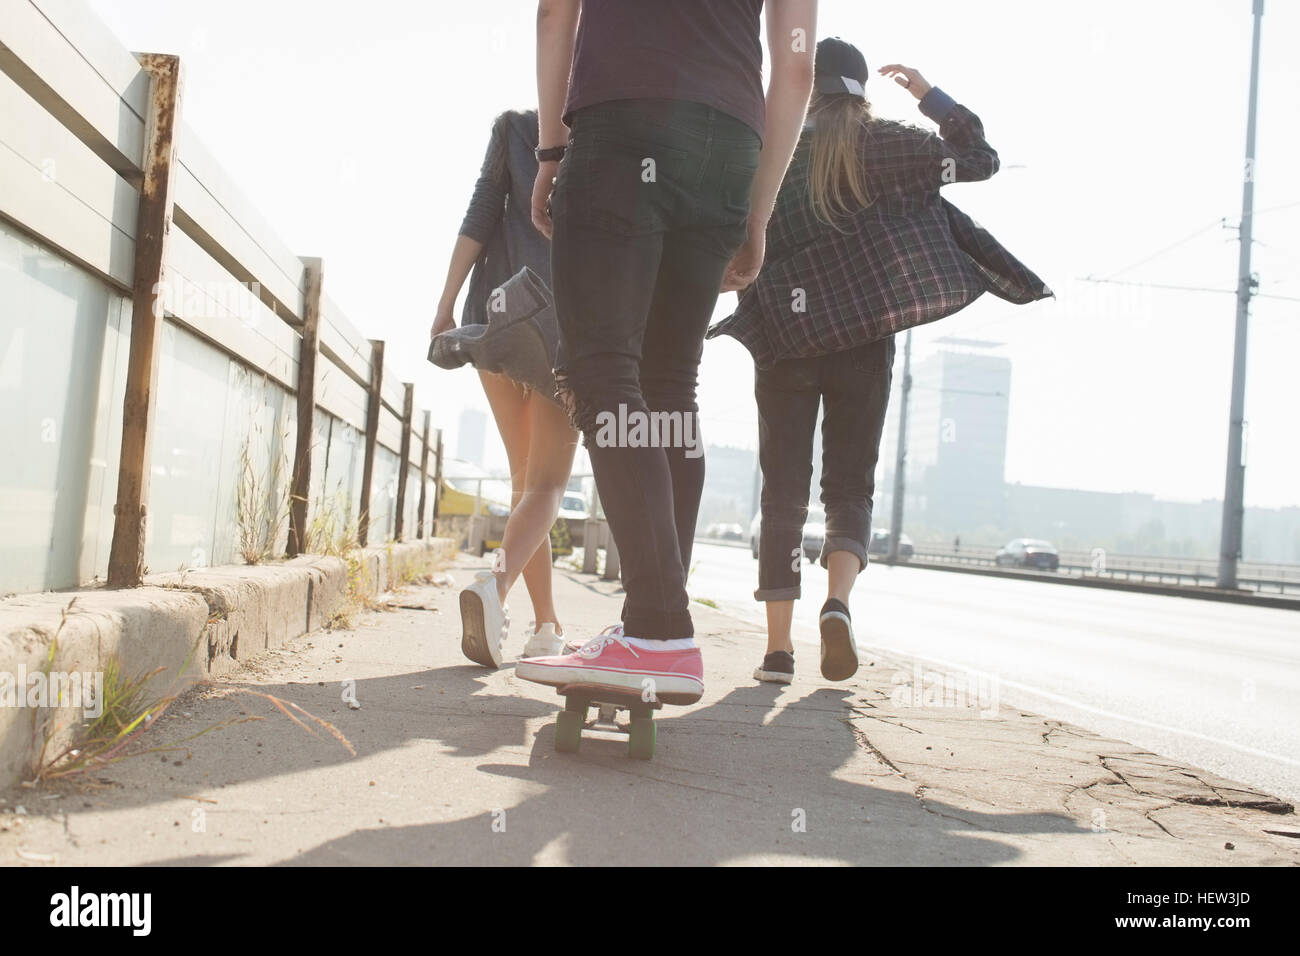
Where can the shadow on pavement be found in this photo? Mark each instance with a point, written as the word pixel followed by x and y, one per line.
pixel 764 773
pixel 728 785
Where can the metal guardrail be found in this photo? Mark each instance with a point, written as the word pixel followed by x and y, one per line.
pixel 1279 579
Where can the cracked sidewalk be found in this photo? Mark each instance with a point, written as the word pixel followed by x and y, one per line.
pixel 455 765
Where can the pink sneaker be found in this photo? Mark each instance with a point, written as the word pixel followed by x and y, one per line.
pixel 673 677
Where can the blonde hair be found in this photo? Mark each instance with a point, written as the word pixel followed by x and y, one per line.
pixel 837 181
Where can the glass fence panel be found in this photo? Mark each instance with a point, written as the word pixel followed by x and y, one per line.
pixel 190 471
pixel 383 496
pixel 53 322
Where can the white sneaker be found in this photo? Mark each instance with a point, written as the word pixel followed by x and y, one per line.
pixel 572 647
pixel 544 642
pixel 484 621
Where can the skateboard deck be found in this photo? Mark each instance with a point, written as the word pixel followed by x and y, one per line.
pixel 578 701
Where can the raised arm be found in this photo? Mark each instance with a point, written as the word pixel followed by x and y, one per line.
pixel 960 153
pixel 557 24
pixel 791 44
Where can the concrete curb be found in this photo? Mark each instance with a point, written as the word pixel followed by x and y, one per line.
pixel 191 624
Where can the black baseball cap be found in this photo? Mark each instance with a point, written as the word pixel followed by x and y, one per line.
pixel 840 67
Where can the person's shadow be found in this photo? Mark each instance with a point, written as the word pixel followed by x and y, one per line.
pixel 755 776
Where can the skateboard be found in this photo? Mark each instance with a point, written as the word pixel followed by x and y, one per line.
pixel 578 700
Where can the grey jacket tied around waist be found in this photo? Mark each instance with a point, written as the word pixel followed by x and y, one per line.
pixel 519 340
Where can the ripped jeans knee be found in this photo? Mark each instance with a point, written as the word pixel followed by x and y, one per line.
pixel 591 396
pixel 582 414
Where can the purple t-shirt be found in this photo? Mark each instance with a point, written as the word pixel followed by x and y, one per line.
pixel 702 51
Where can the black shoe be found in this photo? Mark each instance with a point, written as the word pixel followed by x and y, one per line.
pixel 777 668
pixel 839 652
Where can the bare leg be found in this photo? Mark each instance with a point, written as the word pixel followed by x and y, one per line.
pixel 510 408
pixel 527 543
pixel 779 616
pixel 842 568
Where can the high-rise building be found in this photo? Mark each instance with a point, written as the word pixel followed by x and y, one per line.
pixel 957 439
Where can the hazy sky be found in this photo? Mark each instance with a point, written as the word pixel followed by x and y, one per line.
pixel 358 131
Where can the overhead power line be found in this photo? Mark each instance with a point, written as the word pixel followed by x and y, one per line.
pixel 1187 288
pixel 1221 221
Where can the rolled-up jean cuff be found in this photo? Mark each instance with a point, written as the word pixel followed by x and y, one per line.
pixel 778 594
pixel 844 544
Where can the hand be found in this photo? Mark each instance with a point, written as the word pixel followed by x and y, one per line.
pixel 542 186
pixel 743 268
pixel 908 78
pixel 443 321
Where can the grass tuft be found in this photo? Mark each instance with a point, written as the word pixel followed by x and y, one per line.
pixel 261 500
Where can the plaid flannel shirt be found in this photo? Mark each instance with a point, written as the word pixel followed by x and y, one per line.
pixel 908 258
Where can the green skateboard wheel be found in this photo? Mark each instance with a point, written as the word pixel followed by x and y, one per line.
pixel 641 738
pixel 568 731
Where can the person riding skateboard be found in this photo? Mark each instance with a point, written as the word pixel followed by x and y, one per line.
pixel 656 198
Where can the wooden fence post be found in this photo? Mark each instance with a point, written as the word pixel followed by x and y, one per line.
pixel 408 410
pixel 153 221
pixel 372 435
pixel 300 490
pixel 437 485
pixel 424 476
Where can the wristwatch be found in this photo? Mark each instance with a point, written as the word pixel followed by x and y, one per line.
pixel 552 154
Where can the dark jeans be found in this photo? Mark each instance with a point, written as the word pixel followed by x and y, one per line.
pixel 650 204
pixel 854 387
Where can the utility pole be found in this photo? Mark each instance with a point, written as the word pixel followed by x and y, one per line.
pixel 900 462
pixel 1234 486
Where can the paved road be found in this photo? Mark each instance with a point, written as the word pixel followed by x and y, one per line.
pixel 1215 685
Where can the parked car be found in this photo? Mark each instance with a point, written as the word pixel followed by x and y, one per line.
pixel 570 528
pixel 814 533
pixel 1028 553
pixel 573 506
pixel 725 531
pixel 880 544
